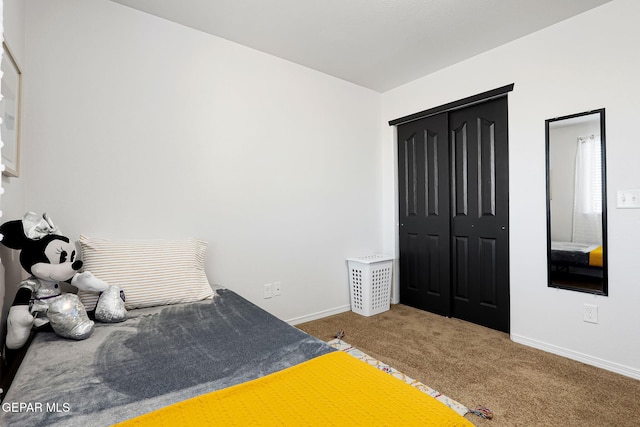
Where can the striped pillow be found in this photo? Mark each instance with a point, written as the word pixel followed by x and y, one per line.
pixel 151 272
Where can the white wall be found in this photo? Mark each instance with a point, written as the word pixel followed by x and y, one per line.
pixel 142 128
pixel 584 63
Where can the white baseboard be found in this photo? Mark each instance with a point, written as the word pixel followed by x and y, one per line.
pixel 580 357
pixel 319 315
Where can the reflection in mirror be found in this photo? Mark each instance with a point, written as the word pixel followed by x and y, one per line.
pixel 576 202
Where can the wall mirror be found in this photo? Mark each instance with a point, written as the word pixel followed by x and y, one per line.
pixel 576 202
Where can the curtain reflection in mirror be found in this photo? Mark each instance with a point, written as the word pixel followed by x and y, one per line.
pixel 587 206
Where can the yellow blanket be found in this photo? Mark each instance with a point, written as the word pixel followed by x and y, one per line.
pixel 331 390
pixel 595 257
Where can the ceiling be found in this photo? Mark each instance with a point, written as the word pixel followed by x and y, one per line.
pixel 378 44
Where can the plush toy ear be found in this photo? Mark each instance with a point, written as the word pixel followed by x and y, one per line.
pixel 13 234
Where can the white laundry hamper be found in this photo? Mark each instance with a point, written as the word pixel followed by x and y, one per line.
pixel 370 283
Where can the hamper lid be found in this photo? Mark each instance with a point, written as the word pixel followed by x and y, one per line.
pixel 369 259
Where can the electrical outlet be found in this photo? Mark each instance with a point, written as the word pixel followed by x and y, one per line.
pixel 267 291
pixel 591 313
pixel 277 289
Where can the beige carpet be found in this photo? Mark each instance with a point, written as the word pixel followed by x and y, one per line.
pixel 479 366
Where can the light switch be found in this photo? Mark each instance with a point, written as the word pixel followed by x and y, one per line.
pixel 628 199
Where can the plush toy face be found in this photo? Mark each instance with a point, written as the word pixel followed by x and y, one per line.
pixel 50 256
pixel 60 263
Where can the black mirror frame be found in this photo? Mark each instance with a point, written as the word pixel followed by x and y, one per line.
pixel 605 250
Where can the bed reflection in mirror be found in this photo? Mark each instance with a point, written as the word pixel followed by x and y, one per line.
pixel 576 202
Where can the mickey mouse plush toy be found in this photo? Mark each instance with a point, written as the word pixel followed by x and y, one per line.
pixel 50 258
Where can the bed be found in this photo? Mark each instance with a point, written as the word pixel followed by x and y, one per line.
pixel 220 360
pixel 577 258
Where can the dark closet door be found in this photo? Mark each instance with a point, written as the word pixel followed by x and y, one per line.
pixel 453 210
pixel 423 179
pixel 480 214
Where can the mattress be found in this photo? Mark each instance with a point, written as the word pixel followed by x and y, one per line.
pixel 576 254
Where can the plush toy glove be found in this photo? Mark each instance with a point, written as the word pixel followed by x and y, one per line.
pixel 19 323
pixel 88 282
pixel 110 307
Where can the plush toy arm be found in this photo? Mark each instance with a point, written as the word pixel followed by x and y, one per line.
pixel 88 282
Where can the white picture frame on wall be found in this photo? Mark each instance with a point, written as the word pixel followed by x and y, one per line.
pixel 10 111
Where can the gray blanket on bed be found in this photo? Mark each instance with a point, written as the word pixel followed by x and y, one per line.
pixel 157 357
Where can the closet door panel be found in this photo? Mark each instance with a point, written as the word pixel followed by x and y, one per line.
pixel 479 133
pixel 423 181
pixel 460 169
